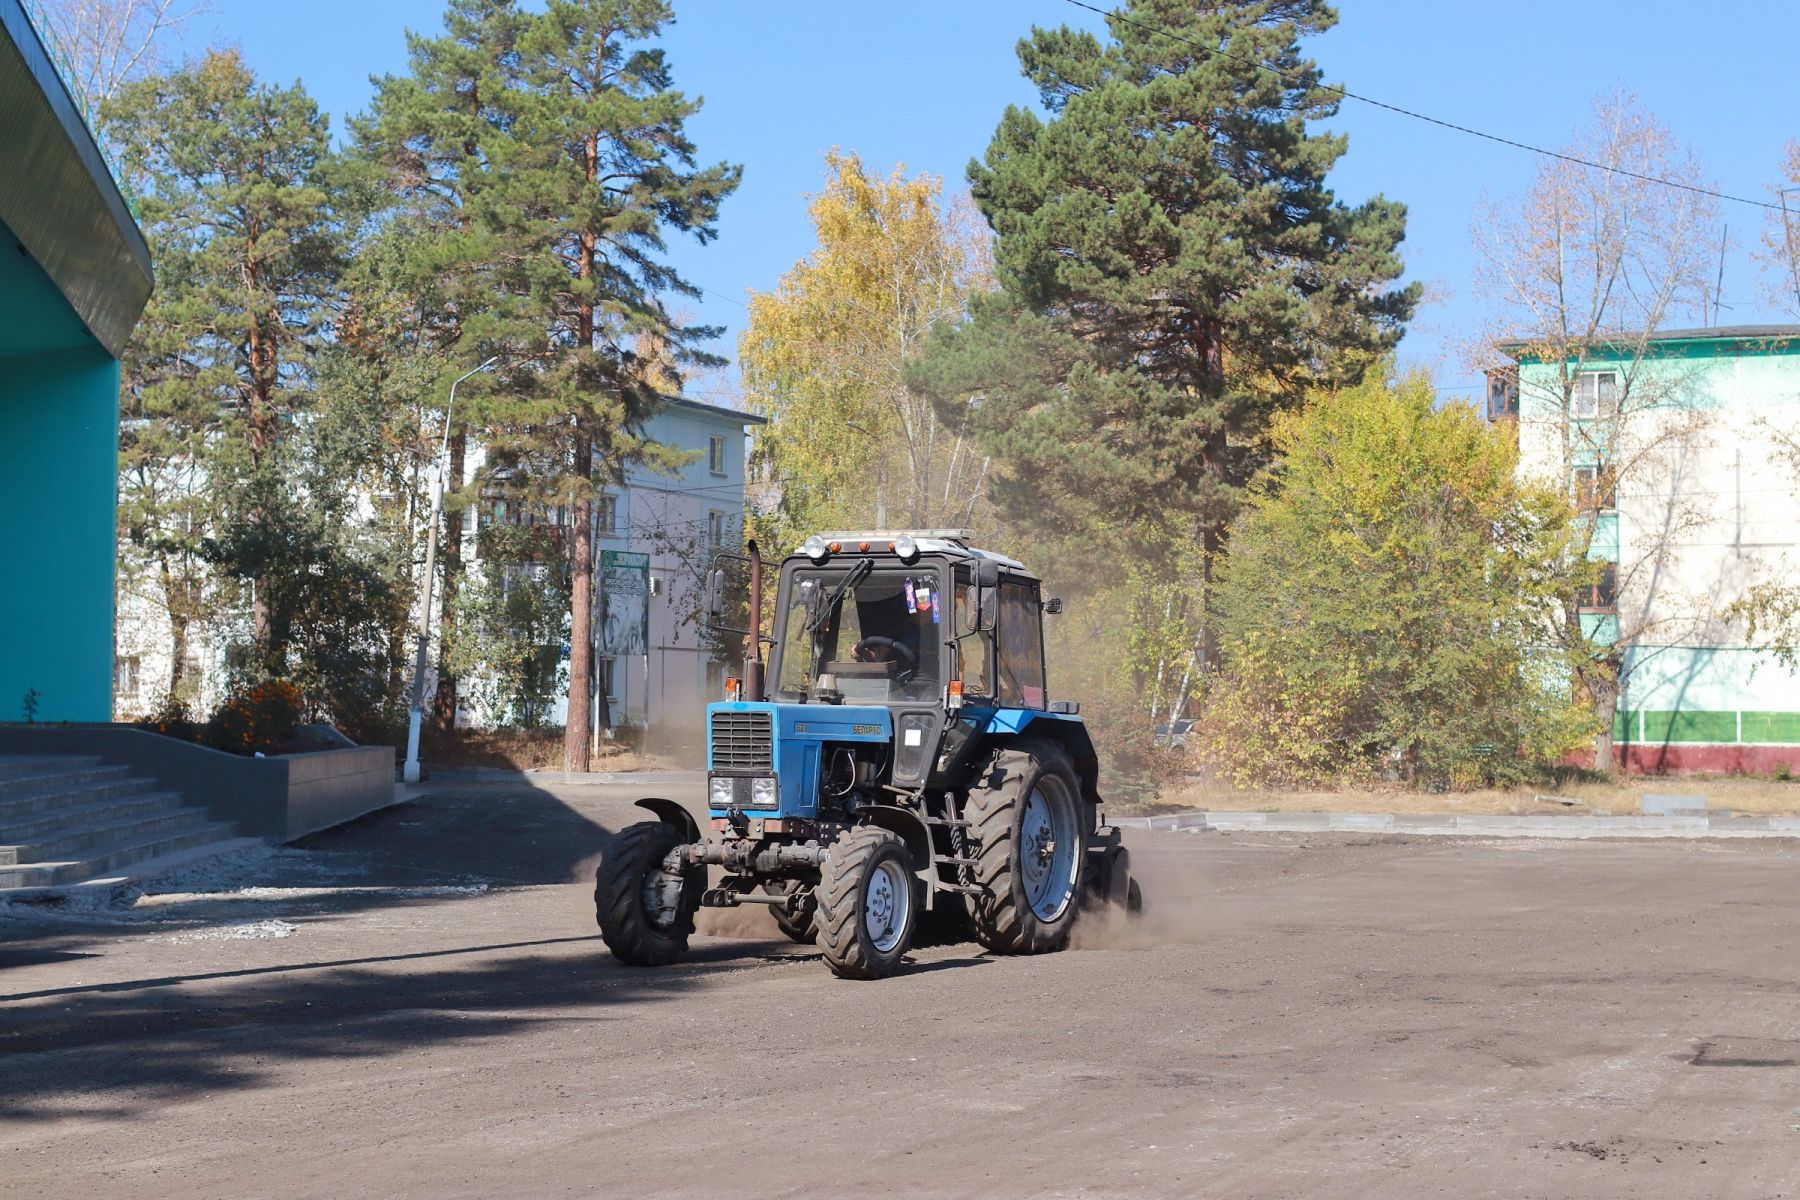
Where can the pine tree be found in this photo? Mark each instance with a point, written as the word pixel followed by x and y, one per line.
pixel 229 173
pixel 592 166
pixel 425 141
pixel 1174 270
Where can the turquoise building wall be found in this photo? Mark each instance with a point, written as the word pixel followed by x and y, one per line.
pixel 75 274
pixel 59 421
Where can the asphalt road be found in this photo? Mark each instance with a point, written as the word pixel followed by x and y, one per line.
pixel 416 1005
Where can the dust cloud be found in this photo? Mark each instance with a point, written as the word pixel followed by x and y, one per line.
pixel 1173 913
pixel 750 921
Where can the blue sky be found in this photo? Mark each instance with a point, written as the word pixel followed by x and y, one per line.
pixel 925 82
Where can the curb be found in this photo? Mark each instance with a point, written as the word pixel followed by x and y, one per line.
pixel 1708 825
pixel 468 775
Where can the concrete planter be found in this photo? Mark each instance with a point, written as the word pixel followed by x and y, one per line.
pixel 280 798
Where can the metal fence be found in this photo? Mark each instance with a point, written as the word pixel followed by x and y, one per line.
pixel 66 70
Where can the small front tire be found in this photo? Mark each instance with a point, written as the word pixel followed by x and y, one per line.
pixel 646 915
pixel 866 910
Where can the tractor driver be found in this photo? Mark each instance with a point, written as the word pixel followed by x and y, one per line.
pixel 892 634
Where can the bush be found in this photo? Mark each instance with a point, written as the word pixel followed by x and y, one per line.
pixel 260 718
pixel 174 720
pixel 1387 604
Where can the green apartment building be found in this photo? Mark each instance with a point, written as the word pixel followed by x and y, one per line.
pixel 1690 452
pixel 74 276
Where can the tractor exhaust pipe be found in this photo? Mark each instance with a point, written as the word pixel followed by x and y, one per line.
pixel 753 666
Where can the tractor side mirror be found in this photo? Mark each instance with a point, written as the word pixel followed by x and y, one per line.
pixel 987 595
pixel 1053 606
pixel 715 596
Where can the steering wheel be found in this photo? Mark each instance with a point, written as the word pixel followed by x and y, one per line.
pixel 904 658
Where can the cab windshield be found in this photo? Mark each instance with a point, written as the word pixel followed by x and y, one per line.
pixel 881 641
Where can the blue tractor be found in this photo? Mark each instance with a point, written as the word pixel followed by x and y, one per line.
pixel 899 756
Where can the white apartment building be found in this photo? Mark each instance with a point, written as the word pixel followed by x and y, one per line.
pixel 1693 449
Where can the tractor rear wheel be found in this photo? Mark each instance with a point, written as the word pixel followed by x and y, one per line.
pixel 1026 813
pixel 866 909
pixel 646 912
pixel 801 925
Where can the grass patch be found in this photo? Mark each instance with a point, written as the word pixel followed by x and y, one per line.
pixel 1593 794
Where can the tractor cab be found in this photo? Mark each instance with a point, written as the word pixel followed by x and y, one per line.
pixel 905 619
pixel 887 648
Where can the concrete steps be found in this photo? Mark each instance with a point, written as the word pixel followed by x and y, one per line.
pixel 69 818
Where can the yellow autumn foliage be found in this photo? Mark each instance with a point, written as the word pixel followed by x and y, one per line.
pixel 847 445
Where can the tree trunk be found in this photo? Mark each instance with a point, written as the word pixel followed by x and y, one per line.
pixel 1605 690
pixel 444 707
pixel 176 600
pixel 577 733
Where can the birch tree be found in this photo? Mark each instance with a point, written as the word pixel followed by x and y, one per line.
pixel 825 353
pixel 1582 275
pixel 1781 242
pixel 112 42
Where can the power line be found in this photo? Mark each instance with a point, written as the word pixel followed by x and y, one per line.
pixel 1287 77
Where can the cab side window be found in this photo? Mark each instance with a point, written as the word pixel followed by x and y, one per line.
pixel 1020 647
pixel 971 648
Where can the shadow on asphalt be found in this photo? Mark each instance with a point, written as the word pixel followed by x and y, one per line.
pixel 445 846
pixel 115 1050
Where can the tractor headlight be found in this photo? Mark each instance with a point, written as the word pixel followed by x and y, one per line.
pixel 762 793
pixel 815 548
pixel 718 792
pixel 906 548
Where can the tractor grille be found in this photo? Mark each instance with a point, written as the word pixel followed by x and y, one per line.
pixel 743 741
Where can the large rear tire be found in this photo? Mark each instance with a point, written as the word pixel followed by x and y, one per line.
pixel 866 903
pixel 1031 825
pixel 646 914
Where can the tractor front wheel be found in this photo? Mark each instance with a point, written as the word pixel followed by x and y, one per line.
pixel 866 910
pixel 1027 815
pixel 645 910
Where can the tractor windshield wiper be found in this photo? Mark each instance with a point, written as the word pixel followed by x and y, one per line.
pixel 857 574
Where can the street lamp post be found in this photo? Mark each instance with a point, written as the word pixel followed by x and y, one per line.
pixel 411 771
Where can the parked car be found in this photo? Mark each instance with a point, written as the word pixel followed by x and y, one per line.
pixel 1173 735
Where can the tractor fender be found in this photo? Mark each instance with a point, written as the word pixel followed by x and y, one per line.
pixel 906 823
pixel 911 830
pixel 1070 733
pixel 671 813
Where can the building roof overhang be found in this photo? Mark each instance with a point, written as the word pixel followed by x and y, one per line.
pixel 718 410
pixel 1767 336
pixel 57 195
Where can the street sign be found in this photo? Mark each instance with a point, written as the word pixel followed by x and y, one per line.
pixel 624 603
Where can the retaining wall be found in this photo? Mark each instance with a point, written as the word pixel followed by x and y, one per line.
pixel 282 798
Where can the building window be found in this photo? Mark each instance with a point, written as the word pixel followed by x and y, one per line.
pixel 1596 488
pixel 1596 394
pixel 608 681
pixel 126 674
pixel 1603 592
pixel 715 454
pixel 715 529
pixel 1503 394
pixel 606 513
